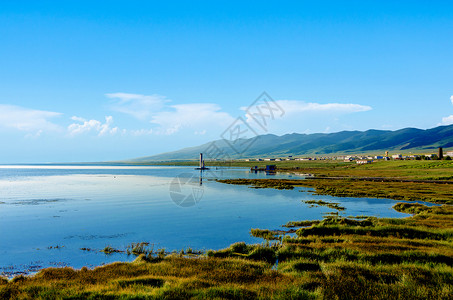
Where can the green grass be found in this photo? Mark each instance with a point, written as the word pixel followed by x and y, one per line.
pixel 140 248
pixel 410 191
pixel 260 183
pixel 110 250
pixel 332 205
pixel 402 169
pixel 301 223
pixel 360 180
pixel 264 233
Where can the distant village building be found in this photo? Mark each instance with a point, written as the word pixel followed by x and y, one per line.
pixel 449 153
pixel 363 162
pixel 379 157
pixel 397 156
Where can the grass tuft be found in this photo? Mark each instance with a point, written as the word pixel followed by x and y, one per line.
pixel 110 250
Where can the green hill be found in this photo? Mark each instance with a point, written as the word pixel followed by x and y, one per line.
pixel 344 142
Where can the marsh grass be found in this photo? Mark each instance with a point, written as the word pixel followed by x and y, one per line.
pixel 171 278
pixel 350 181
pixel 265 253
pixel 265 234
pixel 140 248
pixel 87 249
pixel 260 183
pixel 141 281
pixel 301 223
pixel 332 205
pixel 409 191
pixel 161 253
pixel 110 250
pixel 55 247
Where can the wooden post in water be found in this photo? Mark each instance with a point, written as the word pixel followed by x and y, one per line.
pixel 201 167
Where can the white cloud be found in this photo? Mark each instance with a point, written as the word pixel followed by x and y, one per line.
pixel 451 99
pixel 447 120
pixel 92 125
pixel 207 118
pixel 298 116
pixel 199 117
pixel 78 119
pixel 27 119
pixel 170 119
pixel 139 106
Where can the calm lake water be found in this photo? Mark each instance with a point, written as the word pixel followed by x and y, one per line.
pixel 76 207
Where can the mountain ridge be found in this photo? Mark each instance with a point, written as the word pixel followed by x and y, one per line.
pixel 301 144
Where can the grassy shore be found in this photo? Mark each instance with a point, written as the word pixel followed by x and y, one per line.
pixel 400 169
pixel 410 191
pixel 335 258
pixel 376 180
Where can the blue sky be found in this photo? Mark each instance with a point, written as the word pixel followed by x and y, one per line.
pixel 111 80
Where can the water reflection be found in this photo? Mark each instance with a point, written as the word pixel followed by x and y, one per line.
pixel 75 208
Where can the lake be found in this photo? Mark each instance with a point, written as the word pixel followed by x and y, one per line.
pixel 49 212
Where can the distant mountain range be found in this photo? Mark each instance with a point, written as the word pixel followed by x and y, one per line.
pixel 344 142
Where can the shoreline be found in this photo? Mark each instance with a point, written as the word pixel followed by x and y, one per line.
pixel 253 183
pixel 346 257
